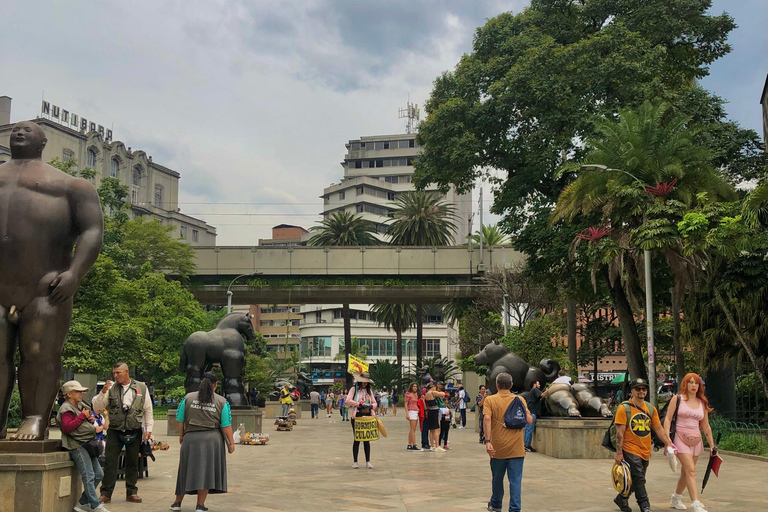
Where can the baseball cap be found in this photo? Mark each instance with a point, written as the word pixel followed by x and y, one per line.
pixel 637 383
pixel 72 385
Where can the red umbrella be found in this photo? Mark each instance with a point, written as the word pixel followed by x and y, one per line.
pixel 713 466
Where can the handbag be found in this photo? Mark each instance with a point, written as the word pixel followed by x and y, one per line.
pixel 145 450
pixel 93 447
pixel 125 438
pixel 690 439
pixel 673 422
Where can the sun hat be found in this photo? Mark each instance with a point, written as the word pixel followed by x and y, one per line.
pixel 622 480
pixel 362 377
pixel 637 383
pixel 73 385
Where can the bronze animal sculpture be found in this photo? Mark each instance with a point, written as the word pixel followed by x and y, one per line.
pixel 562 399
pixel 223 345
pixel 51 229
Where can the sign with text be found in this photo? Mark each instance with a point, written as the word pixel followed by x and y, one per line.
pixel 356 365
pixel 73 121
pixel 366 428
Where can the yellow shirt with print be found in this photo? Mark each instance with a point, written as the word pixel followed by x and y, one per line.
pixel 637 435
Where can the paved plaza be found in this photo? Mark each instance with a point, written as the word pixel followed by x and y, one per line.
pixel 309 469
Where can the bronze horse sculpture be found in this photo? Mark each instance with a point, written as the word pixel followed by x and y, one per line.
pixel 223 345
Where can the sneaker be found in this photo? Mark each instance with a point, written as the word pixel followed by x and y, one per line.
pixel 354 465
pixel 622 503
pixel 493 509
pixel 676 502
pixel 433 449
pixel 369 465
pixel 647 509
pixel 441 449
pixel 176 505
pixel 527 448
pixel 201 507
pixel 417 449
pixel 100 508
pixel 697 506
pixel 82 508
pixel 446 447
pixel 530 449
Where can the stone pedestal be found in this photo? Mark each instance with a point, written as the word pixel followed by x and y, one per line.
pixel 250 416
pixel 572 438
pixel 274 409
pixel 37 476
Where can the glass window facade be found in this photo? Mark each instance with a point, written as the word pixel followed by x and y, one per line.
pixel 316 346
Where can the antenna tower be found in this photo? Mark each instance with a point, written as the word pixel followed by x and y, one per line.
pixel 411 114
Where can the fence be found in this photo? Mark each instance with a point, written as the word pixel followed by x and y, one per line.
pixel 739 436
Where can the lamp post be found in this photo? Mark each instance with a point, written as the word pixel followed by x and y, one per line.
pixel 229 292
pixel 648 293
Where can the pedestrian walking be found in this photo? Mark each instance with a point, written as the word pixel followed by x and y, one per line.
pixel 633 441
pixel 329 403
pixel 130 414
pixel 393 403
pixel 534 399
pixel 384 401
pixel 479 402
pixel 462 406
pixel 314 404
pixel 692 419
pixel 78 437
pixel 343 408
pixel 363 403
pixel 203 417
pixel 504 446
pixel 433 416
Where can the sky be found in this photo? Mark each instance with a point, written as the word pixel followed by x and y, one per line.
pixel 252 101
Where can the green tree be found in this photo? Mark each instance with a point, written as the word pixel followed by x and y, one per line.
pixel 422 218
pixel 492 234
pixel 151 243
pixel 356 349
pixel 398 318
pixel 345 229
pixel 385 373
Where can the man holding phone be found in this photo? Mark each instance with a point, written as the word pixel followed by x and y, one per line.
pixel 130 412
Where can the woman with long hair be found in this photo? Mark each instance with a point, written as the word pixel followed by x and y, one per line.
pixel 362 402
pixel 433 416
pixel 692 420
pixel 343 409
pixel 412 413
pixel 203 417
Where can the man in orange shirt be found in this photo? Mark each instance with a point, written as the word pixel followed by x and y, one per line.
pixel 505 446
pixel 634 444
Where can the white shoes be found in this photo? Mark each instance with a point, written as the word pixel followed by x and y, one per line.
pixel 433 449
pixel 697 506
pixel 370 466
pixel 440 449
pixel 676 502
pixel 100 508
pixel 82 508
pixel 354 465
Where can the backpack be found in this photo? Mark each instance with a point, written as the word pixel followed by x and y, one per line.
pixel 609 438
pixel 466 396
pixel 515 417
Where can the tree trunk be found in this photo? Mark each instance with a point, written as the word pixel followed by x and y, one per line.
pixel 347 342
pixel 419 336
pixel 632 347
pixel 678 344
pixel 399 347
pixel 756 363
pixel 570 313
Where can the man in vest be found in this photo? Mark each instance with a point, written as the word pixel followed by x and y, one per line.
pixel 130 411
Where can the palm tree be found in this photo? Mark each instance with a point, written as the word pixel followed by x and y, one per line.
pixel 422 218
pixel 356 349
pixel 398 318
pixel 344 229
pixel 648 156
pixel 492 235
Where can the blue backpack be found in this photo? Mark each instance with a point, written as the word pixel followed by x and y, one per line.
pixel 466 396
pixel 515 417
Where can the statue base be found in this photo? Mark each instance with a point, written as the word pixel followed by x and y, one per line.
pixel 572 438
pixel 37 476
pixel 251 417
pixel 274 409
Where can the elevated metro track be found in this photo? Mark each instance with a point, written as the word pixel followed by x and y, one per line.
pixel 311 275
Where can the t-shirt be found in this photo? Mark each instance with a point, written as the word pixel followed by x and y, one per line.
pixel 462 403
pixel 534 401
pixel 314 397
pixel 563 380
pixel 637 435
pixel 508 443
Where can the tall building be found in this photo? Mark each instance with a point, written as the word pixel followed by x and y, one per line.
pixel 376 170
pixel 153 189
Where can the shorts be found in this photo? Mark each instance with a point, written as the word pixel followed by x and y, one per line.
pixel 413 415
pixel 433 419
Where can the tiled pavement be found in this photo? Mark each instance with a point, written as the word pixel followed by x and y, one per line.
pixel 309 469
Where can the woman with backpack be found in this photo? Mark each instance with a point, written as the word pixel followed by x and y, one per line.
pixel 691 411
pixel 362 402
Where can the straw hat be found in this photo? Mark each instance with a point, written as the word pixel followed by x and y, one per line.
pixel 362 377
pixel 622 480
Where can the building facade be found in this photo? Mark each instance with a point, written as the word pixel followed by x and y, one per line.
pixel 153 189
pixel 377 169
pixel 286 235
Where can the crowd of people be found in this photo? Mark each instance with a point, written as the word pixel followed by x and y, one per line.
pixel 96 440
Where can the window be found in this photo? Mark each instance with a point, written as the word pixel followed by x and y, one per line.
pixel 318 317
pixel 90 157
pixel 391 179
pixel 195 235
pixel 159 196
pixel 114 167
pixel 360 191
pixel 358 164
pixel 295 309
pixel 434 319
pixel 315 346
pixel 342 195
pixel 67 154
pixel 137 172
pixel 431 347
pixel 183 232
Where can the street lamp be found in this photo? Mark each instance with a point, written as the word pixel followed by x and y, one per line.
pixel 648 292
pixel 229 292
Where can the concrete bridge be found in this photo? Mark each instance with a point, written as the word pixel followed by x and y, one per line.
pixel 437 274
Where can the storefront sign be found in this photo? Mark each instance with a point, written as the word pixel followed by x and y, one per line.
pixel 73 121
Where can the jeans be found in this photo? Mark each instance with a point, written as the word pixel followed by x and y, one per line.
pixel 344 412
pixel 91 473
pixel 114 447
pixel 463 413
pixel 637 467
pixel 529 431
pixel 514 471
pixel 315 410
pixel 285 409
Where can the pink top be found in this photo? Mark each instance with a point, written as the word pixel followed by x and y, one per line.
pixel 364 396
pixel 411 401
pixel 688 418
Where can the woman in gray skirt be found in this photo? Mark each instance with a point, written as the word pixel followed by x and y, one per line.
pixel 203 416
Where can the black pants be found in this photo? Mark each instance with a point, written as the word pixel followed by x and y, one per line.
pixel 637 468
pixel 113 449
pixel 356 447
pixel 445 427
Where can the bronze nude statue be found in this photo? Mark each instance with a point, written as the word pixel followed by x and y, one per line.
pixel 51 229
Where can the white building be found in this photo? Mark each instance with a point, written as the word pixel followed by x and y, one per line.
pixel 377 169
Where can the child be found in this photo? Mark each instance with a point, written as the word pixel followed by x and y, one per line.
pixel 445 427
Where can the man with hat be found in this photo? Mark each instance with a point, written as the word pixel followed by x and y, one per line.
pixel 633 441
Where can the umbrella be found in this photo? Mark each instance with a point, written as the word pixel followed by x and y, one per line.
pixel 619 379
pixel 713 464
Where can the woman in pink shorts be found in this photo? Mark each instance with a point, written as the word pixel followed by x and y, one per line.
pixel 692 420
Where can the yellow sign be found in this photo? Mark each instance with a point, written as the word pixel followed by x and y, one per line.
pixel 366 428
pixel 356 365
